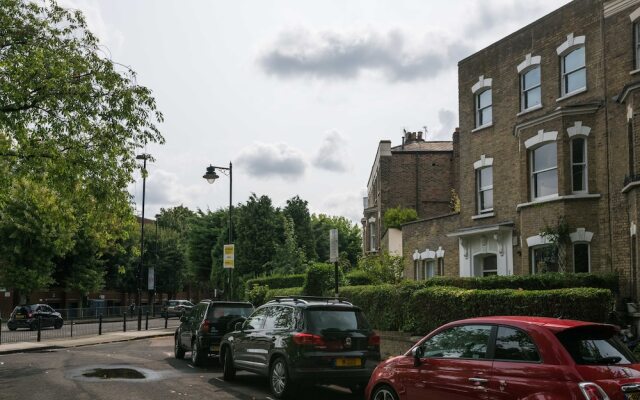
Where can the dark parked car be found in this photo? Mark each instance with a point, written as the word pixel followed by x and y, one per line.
pixel 176 308
pixel 506 358
pixel 26 316
pixel 204 325
pixel 303 340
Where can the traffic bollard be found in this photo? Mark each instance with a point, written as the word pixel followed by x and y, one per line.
pixel 71 328
pixel 139 318
pixel 0 330
pixel 100 324
pixel 166 320
pixel 39 326
pixel 124 322
pixel 146 321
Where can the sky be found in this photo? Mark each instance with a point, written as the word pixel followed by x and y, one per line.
pixel 296 94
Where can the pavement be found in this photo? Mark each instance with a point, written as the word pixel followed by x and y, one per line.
pixel 112 337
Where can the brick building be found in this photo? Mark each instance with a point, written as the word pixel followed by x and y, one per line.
pixel 548 141
pixel 417 174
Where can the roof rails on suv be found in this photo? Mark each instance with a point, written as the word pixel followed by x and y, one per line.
pixel 307 299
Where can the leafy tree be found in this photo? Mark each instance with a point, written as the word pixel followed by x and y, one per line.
pixel 169 259
pixel 204 232
pixel 395 217
pixel 383 268
pixel 258 230
pixel 36 227
pixel 288 258
pixel 297 210
pixel 349 238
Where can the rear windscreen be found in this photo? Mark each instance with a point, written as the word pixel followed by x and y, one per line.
pixel 595 347
pixel 223 315
pixel 319 320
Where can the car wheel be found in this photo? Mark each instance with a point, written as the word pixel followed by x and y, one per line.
pixel 12 327
pixel 178 351
pixel 58 324
pixel 33 326
pixel 279 381
pixel 197 358
pixel 384 393
pixel 228 369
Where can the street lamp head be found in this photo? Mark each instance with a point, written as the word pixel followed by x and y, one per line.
pixel 211 175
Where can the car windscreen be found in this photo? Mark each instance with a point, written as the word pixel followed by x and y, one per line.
pixel 223 316
pixel 172 303
pixel 594 345
pixel 24 309
pixel 320 320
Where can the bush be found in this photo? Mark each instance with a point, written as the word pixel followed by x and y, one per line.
pixel 382 268
pixel 320 279
pixel 395 217
pixel 402 307
pixel 358 278
pixel 527 282
pixel 257 294
pixel 271 294
pixel 277 281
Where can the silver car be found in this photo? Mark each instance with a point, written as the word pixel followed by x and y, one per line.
pixel 176 308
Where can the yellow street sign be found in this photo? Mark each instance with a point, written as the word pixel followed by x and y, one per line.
pixel 228 260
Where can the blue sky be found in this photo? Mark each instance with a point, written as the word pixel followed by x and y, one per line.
pixel 297 94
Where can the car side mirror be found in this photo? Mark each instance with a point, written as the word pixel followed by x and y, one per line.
pixel 183 318
pixel 238 326
pixel 417 353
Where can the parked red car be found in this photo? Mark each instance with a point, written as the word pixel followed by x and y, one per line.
pixel 501 358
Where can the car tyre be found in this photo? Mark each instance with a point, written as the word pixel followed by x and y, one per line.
pixel 279 382
pixel 384 392
pixel 197 358
pixel 178 351
pixel 12 327
pixel 33 326
pixel 228 369
pixel 58 324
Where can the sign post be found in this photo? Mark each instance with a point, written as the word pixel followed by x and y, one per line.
pixel 229 264
pixel 333 254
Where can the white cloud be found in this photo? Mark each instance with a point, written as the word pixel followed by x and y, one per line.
pixel 333 154
pixel 348 205
pixel 333 54
pixel 448 122
pixel 264 160
pixel 490 14
pixel 110 38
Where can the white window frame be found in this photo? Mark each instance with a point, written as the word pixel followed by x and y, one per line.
pixel 530 62
pixel 430 263
pixel 534 173
pixel 372 236
pixel 479 88
pixel 481 189
pixel 569 46
pixel 584 164
pixel 634 16
pixel 533 255
pixel 573 248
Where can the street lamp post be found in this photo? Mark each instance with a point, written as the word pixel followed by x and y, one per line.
pixel 143 157
pixel 211 177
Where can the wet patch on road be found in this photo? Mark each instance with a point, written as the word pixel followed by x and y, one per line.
pixel 128 373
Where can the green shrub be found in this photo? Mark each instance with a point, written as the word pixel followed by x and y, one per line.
pixel 382 268
pixel 257 294
pixel 358 278
pixel 320 279
pixel 526 282
pixel 395 217
pixel 431 307
pixel 271 294
pixel 277 281
pixel 419 310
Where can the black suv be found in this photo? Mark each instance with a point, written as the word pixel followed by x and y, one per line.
pixel 203 326
pixel 295 340
pixel 26 316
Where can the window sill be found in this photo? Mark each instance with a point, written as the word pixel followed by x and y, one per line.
pixel 528 110
pixel 635 71
pixel 551 199
pixel 485 215
pixel 482 127
pixel 575 92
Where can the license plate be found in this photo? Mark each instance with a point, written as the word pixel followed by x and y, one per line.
pixel 215 348
pixel 348 362
pixel 18 316
pixel 633 396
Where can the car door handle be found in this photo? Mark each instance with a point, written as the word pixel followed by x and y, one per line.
pixel 478 380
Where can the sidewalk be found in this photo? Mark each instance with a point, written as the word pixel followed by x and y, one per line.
pixel 110 337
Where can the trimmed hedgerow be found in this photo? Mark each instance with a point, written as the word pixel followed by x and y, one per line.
pixel 320 279
pixel 277 281
pixel 358 278
pixel 401 307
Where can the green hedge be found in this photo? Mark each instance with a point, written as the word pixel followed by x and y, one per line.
pixel 320 279
pixel 526 282
pixel 277 281
pixel 358 278
pixel 399 307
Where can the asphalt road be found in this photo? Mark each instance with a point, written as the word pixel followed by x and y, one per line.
pixel 58 374
pixel 79 329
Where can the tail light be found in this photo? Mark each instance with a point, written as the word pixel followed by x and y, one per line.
pixel 30 315
pixel 205 326
pixel 374 340
pixel 592 391
pixel 309 339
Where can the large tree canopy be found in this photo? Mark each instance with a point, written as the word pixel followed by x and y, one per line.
pixel 71 121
